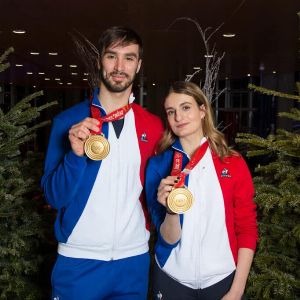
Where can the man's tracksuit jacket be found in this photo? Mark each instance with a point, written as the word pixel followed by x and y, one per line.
pixel 101 211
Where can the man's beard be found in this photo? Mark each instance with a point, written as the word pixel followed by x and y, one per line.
pixel 116 87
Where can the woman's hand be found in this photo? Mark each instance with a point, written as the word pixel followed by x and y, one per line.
pixel 232 296
pixel 170 229
pixel 164 189
pixel 245 257
pixel 79 132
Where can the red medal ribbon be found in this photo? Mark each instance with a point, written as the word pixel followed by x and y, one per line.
pixel 177 164
pixel 113 116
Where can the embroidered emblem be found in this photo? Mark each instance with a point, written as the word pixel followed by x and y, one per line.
pixel 159 295
pixel 144 137
pixel 56 298
pixel 225 173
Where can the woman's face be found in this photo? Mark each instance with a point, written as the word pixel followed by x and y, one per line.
pixel 184 115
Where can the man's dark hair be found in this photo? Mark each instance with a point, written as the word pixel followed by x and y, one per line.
pixel 119 35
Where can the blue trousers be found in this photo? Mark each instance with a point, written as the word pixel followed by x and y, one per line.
pixel 89 279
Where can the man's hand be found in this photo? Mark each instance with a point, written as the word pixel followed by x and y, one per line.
pixel 79 132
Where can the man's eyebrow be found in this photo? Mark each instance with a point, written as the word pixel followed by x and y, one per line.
pixel 110 51
pixel 131 54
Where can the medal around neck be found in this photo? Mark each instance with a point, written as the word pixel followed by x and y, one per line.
pixel 180 200
pixel 96 147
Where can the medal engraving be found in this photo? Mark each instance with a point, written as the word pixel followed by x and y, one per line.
pixel 180 200
pixel 96 147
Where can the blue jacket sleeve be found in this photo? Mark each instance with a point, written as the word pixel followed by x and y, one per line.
pixel 63 168
pixel 152 181
pixel 157 211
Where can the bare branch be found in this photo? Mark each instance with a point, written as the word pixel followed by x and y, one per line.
pixel 212 60
pixel 89 55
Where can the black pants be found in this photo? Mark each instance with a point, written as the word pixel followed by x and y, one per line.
pixel 166 288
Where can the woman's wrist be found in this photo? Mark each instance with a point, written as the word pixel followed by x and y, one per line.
pixel 169 212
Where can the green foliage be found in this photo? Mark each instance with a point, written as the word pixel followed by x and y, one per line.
pixel 21 222
pixel 3 57
pixel 276 269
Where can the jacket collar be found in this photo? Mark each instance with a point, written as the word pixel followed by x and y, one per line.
pixel 97 102
pixel 178 147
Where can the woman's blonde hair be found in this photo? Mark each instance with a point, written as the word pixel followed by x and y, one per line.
pixel 215 138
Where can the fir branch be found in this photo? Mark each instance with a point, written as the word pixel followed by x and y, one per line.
pixel 3 67
pixel 254 153
pixel 296 232
pixel 272 92
pixel 294 114
pixel 47 105
pixel 11 147
pixel 34 128
pixel 4 56
pixel 17 109
pixel 285 142
pixel 256 141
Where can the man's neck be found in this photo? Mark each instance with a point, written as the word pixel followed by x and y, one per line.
pixel 111 101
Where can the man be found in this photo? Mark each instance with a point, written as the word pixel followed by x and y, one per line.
pixel 102 226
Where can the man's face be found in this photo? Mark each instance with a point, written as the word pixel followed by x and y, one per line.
pixel 119 66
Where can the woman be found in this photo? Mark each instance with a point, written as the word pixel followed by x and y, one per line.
pixel 205 253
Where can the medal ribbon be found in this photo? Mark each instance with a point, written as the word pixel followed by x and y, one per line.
pixel 113 116
pixel 177 164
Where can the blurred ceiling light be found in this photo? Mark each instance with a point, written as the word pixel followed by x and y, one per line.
pixel 228 35
pixel 19 31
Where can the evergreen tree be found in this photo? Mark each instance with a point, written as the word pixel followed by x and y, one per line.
pixel 276 269
pixel 21 222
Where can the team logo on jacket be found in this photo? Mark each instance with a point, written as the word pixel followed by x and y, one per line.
pixel 144 137
pixel 159 296
pixel 225 173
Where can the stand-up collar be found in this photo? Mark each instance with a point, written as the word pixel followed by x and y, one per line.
pixel 178 147
pixel 97 102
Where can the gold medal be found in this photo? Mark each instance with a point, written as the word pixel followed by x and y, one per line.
pixel 180 200
pixel 96 147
